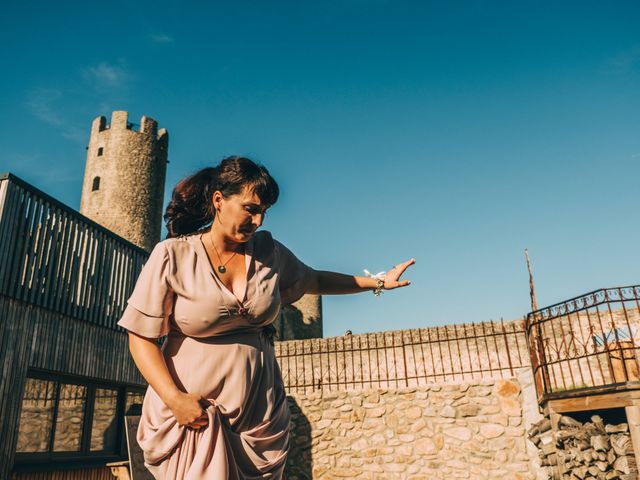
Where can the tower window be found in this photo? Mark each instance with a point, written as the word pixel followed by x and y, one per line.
pixel 100 151
pixel 96 184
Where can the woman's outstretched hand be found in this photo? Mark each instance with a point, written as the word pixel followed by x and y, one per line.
pixel 392 277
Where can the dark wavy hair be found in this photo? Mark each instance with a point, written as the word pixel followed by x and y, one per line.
pixel 190 209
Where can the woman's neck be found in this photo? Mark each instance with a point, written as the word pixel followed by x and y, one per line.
pixel 222 243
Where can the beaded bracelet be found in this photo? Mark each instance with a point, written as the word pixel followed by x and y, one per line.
pixel 379 277
pixel 378 290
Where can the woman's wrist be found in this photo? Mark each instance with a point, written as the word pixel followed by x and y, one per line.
pixel 379 286
pixel 171 397
pixel 378 281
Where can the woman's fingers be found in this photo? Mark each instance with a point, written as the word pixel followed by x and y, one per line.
pixel 405 265
pixel 399 269
pixel 392 280
pixel 199 423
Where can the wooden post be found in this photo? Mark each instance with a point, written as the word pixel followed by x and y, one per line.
pixel 532 288
pixel 633 419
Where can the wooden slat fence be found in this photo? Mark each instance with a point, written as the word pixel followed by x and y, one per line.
pixel 54 257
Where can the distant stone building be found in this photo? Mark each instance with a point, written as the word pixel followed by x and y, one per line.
pixel 123 188
pixel 301 320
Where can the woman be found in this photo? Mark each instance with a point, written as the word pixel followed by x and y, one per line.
pixel 216 406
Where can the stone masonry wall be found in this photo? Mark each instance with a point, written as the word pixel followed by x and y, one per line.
pixel 473 430
pixel 131 165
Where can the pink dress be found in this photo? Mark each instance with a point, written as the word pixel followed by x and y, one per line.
pixel 216 348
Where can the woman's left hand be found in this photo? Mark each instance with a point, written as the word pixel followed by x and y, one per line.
pixel 392 277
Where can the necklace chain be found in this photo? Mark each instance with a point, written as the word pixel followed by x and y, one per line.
pixel 221 267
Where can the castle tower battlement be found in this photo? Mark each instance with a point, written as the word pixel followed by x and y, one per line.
pixel 123 187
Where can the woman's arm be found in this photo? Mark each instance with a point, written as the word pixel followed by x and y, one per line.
pixel 333 283
pixel 148 358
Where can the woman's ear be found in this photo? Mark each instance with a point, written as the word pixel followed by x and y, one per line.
pixel 216 199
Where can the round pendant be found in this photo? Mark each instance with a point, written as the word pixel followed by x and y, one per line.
pixel 221 269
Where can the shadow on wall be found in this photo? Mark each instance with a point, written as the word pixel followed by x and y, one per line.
pixel 301 320
pixel 299 462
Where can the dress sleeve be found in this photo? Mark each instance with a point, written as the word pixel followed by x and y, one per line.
pixel 294 275
pixel 147 308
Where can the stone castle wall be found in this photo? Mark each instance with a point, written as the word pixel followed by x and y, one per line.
pixel 300 320
pixel 473 430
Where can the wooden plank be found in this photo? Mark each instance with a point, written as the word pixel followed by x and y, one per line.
pixel 62 286
pixel 4 184
pixel 96 277
pixel 70 306
pixel 61 278
pixel 27 258
pixel 7 215
pixel 94 473
pixel 594 402
pixel 83 275
pixel 108 275
pixel 30 253
pixel 76 275
pixel 42 266
pixel 633 420
pixel 20 242
pixel 39 251
pixel 105 275
pixel 9 236
pixel 53 260
pixel 118 276
pixel 89 270
pixel 70 268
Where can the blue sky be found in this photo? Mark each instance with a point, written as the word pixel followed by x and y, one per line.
pixel 457 133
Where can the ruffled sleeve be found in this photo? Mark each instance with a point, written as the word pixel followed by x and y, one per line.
pixel 294 275
pixel 149 306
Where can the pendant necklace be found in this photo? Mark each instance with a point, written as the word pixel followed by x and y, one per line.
pixel 221 267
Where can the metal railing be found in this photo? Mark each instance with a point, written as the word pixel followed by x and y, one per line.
pixel 404 358
pixel 56 258
pixel 586 343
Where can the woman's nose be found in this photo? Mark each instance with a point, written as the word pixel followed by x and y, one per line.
pixel 257 219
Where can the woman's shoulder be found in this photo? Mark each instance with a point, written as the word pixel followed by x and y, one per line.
pixel 263 245
pixel 179 238
pixel 262 236
pixel 179 246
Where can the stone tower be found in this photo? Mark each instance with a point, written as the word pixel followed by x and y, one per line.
pixel 301 320
pixel 123 187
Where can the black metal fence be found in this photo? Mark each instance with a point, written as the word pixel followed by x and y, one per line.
pixel 54 257
pixel 586 343
pixel 404 358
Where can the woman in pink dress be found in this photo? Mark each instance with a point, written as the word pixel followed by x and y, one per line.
pixel 216 406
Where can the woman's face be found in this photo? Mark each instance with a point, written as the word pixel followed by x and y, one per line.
pixel 239 216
